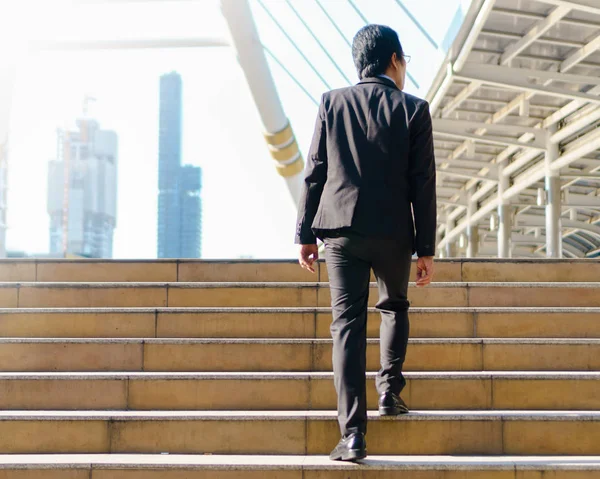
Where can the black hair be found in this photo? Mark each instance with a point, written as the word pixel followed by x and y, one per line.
pixel 372 50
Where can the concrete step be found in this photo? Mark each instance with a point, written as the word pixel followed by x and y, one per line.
pixel 303 355
pixel 293 391
pixel 298 432
pixel 178 466
pixel 178 270
pixel 291 322
pixel 57 295
pixel 274 270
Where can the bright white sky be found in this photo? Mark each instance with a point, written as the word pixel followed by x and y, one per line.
pixel 247 210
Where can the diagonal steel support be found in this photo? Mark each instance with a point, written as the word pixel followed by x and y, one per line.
pixel 580 54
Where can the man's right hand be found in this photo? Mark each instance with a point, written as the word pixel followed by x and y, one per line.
pixel 424 271
pixel 309 253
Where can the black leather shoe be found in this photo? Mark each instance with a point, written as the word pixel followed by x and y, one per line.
pixel 350 448
pixel 391 404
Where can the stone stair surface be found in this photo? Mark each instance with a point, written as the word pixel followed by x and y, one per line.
pixel 222 369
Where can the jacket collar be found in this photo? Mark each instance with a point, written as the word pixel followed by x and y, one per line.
pixel 381 81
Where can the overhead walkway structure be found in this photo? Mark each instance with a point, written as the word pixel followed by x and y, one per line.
pixel 516 110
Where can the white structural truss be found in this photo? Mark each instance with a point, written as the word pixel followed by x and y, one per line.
pixel 516 112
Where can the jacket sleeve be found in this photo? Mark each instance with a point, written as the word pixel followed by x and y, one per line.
pixel 422 181
pixel 315 176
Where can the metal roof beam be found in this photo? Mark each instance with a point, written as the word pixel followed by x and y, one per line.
pixel 541 240
pixel 578 200
pixel 459 129
pixel 487 139
pixel 478 24
pixel 581 54
pixel 577 175
pixel 513 79
pixel 460 173
pixel 458 99
pixel 473 111
pixel 528 74
pixel 488 250
pixel 588 143
pixel 534 220
pixel 534 33
pixel 576 125
pixel 446 190
pixel 495 128
pixel 449 202
pixel 538 16
pixel 588 6
pixel 547 40
pixel 477 165
pixel 537 58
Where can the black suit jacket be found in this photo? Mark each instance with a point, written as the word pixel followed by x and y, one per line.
pixel 370 160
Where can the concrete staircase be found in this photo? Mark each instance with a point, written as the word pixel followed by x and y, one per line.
pixel 221 370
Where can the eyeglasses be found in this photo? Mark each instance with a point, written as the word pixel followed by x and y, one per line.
pixel 406 58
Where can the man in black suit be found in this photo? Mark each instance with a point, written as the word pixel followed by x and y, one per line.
pixel 369 194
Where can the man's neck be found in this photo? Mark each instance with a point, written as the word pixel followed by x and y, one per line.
pixel 383 75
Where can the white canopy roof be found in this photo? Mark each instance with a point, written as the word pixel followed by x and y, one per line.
pixel 521 76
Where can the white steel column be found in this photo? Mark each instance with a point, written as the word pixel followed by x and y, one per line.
pixel 553 200
pixel 504 216
pixel 250 54
pixel 472 230
pixel 451 245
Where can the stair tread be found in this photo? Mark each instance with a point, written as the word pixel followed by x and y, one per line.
pixel 375 462
pixel 265 310
pixel 192 341
pixel 182 415
pixel 150 375
pixel 289 284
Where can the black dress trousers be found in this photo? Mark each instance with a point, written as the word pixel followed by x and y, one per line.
pixel 350 258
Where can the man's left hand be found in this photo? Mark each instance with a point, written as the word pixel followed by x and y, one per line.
pixel 309 253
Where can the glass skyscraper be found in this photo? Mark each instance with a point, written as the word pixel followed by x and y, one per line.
pixel 179 202
pixel 190 183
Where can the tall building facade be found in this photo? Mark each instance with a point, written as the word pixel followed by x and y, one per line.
pixel 179 203
pixel 191 212
pixel 82 191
